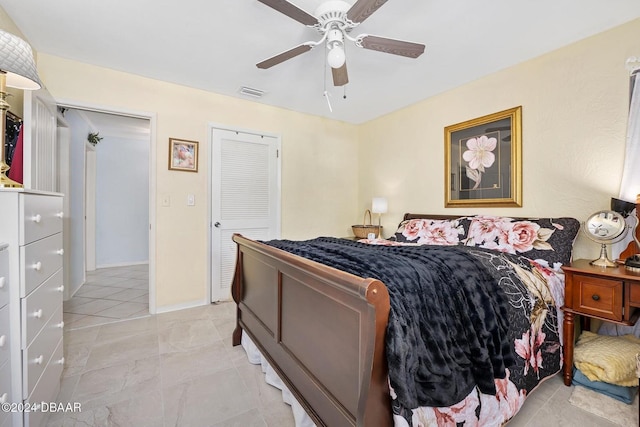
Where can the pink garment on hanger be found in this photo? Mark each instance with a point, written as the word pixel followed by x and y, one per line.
pixel 16 171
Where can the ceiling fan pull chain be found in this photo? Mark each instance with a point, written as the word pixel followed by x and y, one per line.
pixel 326 95
pixel 324 83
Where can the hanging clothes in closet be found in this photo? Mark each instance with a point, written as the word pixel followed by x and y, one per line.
pixel 12 131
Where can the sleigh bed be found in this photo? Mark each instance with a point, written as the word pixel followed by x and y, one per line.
pixel 482 298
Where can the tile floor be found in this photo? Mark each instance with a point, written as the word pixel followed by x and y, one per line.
pixel 109 295
pixel 179 369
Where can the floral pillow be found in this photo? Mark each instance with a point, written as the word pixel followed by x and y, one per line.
pixel 431 231
pixel 548 239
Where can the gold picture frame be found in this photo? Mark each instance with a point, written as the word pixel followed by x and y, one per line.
pixel 183 155
pixel 483 161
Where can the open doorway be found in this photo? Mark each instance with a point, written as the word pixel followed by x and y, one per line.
pixel 108 195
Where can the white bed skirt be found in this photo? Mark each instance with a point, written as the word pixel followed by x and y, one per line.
pixel 301 418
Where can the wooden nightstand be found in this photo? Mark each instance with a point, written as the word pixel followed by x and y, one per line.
pixel 611 294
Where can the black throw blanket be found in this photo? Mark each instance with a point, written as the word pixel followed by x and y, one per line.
pixel 447 328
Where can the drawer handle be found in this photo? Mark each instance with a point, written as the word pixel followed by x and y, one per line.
pixel 37 266
pixel 3 340
pixel 60 215
pixel 60 251
pixel 3 280
pixel 4 397
pixel 60 325
pixel 36 219
pixel 595 297
pixel 37 314
pixel 61 361
pixel 38 360
pixel 60 288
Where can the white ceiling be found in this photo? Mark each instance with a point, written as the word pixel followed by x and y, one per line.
pixel 215 44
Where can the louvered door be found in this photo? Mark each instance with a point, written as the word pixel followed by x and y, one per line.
pixel 40 150
pixel 245 198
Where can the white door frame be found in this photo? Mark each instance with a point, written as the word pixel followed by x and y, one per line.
pixel 90 160
pixel 152 178
pixel 211 127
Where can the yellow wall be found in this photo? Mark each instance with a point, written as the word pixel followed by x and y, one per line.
pixel 319 166
pixel 574 114
pixel 575 103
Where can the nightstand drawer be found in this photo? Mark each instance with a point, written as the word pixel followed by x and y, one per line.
pixel 634 294
pixel 598 297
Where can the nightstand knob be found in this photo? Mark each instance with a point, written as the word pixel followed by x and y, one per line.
pixel 595 297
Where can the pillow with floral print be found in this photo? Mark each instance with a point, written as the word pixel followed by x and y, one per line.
pixel 431 231
pixel 547 239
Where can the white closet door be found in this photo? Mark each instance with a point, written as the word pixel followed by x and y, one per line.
pixel 40 150
pixel 245 198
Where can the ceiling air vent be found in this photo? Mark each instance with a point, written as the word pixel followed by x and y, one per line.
pixel 249 91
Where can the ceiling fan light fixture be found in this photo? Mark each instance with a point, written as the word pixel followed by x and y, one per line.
pixel 336 56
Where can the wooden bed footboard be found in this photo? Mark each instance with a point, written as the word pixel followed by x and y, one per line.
pixel 322 330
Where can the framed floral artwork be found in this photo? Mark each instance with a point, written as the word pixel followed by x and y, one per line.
pixel 183 155
pixel 483 161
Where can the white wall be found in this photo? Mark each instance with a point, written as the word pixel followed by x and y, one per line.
pixel 122 201
pixel 75 229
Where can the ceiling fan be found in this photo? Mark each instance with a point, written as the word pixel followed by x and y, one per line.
pixel 334 20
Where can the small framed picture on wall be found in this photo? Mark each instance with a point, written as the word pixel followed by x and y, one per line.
pixel 183 155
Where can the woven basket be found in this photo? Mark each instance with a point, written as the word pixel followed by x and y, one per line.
pixel 362 231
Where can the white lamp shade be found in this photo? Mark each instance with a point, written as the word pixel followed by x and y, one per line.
pixel 379 205
pixel 16 60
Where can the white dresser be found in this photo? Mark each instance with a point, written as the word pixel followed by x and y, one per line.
pixel 31 225
pixel 5 363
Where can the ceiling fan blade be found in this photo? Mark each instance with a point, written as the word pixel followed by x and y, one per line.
pixel 340 76
pixel 292 11
pixel 362 9
pixel 281 57
pixel 397 47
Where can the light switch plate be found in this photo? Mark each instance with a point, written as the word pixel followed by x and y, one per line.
pixel 191 199
pixel 166 201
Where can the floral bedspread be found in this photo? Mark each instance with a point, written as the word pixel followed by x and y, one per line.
pixel 535 294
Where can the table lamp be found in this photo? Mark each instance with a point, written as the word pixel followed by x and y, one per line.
pixel 379 206
pixel 18 70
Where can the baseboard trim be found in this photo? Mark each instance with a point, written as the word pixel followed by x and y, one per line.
pixel 121 264
pixel 181 306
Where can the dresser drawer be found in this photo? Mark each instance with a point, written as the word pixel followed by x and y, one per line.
pixel 4 275
pixel 47 388
pixel 39 306
pixel 36 357
pixel 39 260
pixel 596 296
pixel 5 390
pixel 41 216
pixel 4 334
